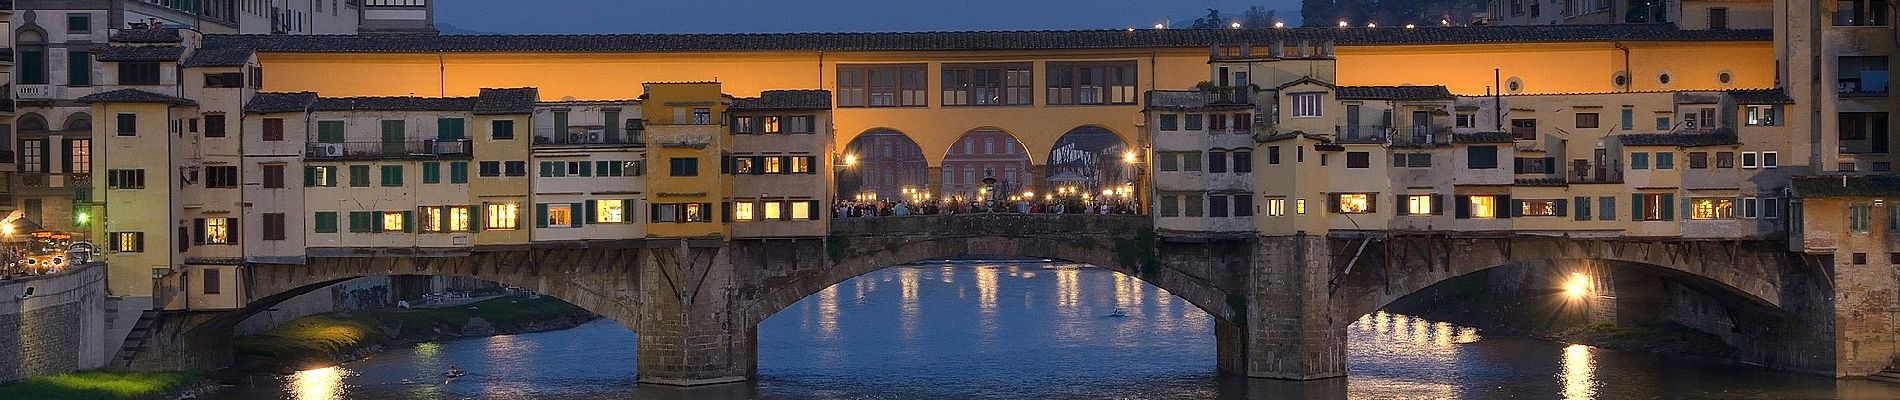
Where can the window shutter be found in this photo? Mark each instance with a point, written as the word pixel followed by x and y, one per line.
pixel 589 212
pixel 815 212
pixel 1461 207
pixel 758 165
pixel 475 216
pixel 1550 165
pixel 627 208
pixel 231 232
pixel 442 224
pixel 1583 208
pixel 1668 212
pixel 653 212
pixel 587 168
pixel 1517 165
pixel 66 156
pixel 1403 208
pixel 725 165
pixel 309 176
pixel 408 221
pixel 1372 203
pixel 575 220
pixel 1332 203
pixel 540 215
pixel 1636 207
pixel 1563 207
pixel 1515 211
pixel 725 214
pixel 198 231
pixel 1438 204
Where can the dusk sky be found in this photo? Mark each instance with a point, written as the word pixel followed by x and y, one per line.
pixel 668 16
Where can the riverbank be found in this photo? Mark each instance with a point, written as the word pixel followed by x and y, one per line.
pixel 104 385
pixel 330 339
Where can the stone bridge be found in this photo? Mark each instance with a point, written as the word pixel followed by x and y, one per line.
pixel 1281 304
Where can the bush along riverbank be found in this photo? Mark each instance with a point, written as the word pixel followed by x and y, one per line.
pixel 329 339
pixel 106 385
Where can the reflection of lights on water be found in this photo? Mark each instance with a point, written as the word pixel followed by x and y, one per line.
pixel 317 384
pixel 828 312
pixel 1579 373
pixel 909 308
pixel 1068 288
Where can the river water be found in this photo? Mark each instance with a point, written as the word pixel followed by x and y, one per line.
pixel 1043 331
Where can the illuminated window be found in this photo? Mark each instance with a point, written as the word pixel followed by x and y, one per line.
pixel 801 165
pixel 771 124
pixel 1711 208
pixel 560 215
pixel 742 165
pixel 1538 208
pixel 696 212
pixel 773 166
pixel 742 211
pixel 1354 203
pixel 1418 204
pixel 800 209
pixel 217 230
pixel 502 216
pixel 1762 115
pixel 129 242
pixel 392 221
pixel 1299 206
pixel 610 211
pixel 431 219
pixel 774 210
pixel 1276 207
pixel 1484 206
pixel 457 218
pixel 1657 207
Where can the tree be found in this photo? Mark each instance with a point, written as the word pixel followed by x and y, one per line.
pixel 1256 17
pixel 1317 13
pixel 1212 20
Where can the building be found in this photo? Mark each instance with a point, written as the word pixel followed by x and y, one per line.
pixel 781 145
pixel 1689 14
pixel 590 163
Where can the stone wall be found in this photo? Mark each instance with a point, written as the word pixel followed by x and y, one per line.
pixel 59 328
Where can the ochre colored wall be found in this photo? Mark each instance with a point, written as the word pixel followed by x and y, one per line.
pixel 1561 67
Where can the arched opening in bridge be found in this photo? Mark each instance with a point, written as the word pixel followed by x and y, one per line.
pixel 965 328
pixel 1091 162
pixel 987 164
pixel 882 164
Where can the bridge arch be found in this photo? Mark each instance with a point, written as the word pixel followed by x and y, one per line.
pixel 1120 243
pixel 987 152
pixel 1088 158
pixel 885 161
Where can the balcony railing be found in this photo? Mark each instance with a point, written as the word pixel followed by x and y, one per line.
pixel 1362 133
pixel 406 149
pixel 1228 95
pixel 591 137
pixel 35 92
pixel 1867 84
pixel 1582 171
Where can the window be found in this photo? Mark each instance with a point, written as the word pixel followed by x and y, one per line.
pixel 1481 157
pixel 1639 160
pixel 1169 205
pixel 1858 215
pixel 457 218
pixel 1299 206
pixel 138 73
pixel 515 168
pixel 78 23
pixel 1353 203
pixel 1273 155
pixel 1540 208
pixel 1629 119
pixel 1662 123
pixel 213 283
pixel 214 125
pixel 1217 161
pixel 774 210
pixel 221 176
pixel 774 165
pixel 128 242
pixel 1276 207
pixel 431 219
pixel 1194 121
pixel 1091 83
pixel 743 211
pixel 1217 206
pixel 610 211
pixel 683 166
pixel 986 85
pixel 501 216
pixel 1606 208
pixel 273 130
pixel 1243 205
pixel 1698 160
pixel 395 221
pixel 1358 160
pixel 881 85
pixel 769 125
pixel 1762 115
pixel 1725 159
pixel 1483 206
pixel 431 172
pixel 33 66
pixel 78 68
pixel 224 80
pixel 1306 105
pixel 1465 120
pixel 557 215
pixel 702 116
pixel 329 131
pixel 323 222
pixel 1749 160
pixel 125 178
pixel 1170 122
pixel 1718 18
pixel 215 230
pixel 682 212
pixel 1582 204
pixel 319 176
pixel 1863 132
pixel 128 124
pixel 450 129
pixel 1770 208
pixel 1243 161
pixel 501 130
pixel 458 172
pixel 359 176
pixel 1533 165
pixel 33 156
pixel 1419 204
pixel 1862 13
pixel 1653 207
pixel 1191 161
pixel 79 156
pixel 274 226
pixel 1769 160
pixel 1194 205
pixel 1586 120
pixel 1862 76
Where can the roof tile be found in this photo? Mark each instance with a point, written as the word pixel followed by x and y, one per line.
pixel 810 99
pixel 134 96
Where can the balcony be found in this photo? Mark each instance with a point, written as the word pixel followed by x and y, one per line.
pixel 1362 133
pixel 35 92
pixel 1866 84
pixel 1228 95
pixel 1582 171
pixel 452 148
pixel 581 136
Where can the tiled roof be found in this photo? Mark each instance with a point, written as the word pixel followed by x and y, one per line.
pixel 401 103
pixel 1186 100
pixel 1541 182
pixel 134 96
pixel 1483 137
pixel 784 100
pixel 1679 139
pixel 1826 186
pixel 506 101
pixel 1275 137
pixel 218 57
pixel 271 102
pixel 1761 96
pixel 973 40
pixel 1394 93
pixel 147 36
pixel 142 53
pixel 1304 80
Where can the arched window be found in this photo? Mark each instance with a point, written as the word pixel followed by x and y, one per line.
pixel 78 122
pixel 31 122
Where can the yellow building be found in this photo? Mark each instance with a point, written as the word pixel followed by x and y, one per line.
pixel 687 142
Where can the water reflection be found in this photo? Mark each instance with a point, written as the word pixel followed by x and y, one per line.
pixel 1059 342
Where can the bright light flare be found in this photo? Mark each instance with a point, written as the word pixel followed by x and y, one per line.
pixel 850 160
pixel 1128 157
pixel 1577 285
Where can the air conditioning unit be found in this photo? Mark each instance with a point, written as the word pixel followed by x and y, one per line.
pixel 326 149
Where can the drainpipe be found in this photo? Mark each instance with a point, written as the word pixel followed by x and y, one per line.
pixel 1628 77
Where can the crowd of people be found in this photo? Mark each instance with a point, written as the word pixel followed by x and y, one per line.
pixel 886 208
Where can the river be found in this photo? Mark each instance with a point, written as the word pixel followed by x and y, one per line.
pixel 1044 331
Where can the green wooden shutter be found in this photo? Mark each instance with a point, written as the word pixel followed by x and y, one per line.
pixel 592 216
pixel 587 168
pixel 1636 207
pixel 1438 204
pixel 475 216
pixel 330 131
pixel 408 221
pixel 541 215
pixel 458 172
pixel 448 128
pixel 1669 213
pixel 198 231
pixel 66 156
pixel 1505 201
pixel 79 68
pixel 1461 207
pixel 576 220
pixel 393 137
pixel 309 176
pixel 431 172
pixel 1563 207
